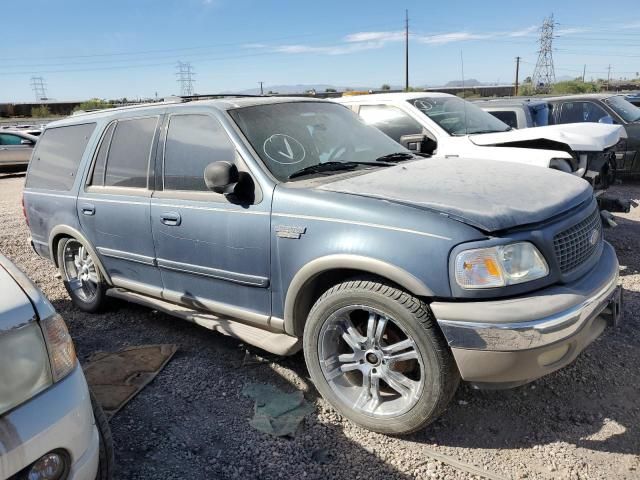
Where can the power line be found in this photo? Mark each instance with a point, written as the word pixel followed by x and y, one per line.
pixel 185 75
pixel 544 74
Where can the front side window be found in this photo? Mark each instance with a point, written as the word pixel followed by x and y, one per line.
pixel 193 142
pixel 457 116
pixel 540 114
pixel 128 159
pixel 290 136
pixel 8 139
pixel 628 111
pixel 581 112
pixel 390 120
pixel 57 155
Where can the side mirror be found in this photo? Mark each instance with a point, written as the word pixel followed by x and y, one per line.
pixel 606 119
pixel 24 141
pixel 221 177
pixel 418 143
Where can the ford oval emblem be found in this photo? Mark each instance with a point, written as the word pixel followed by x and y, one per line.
pixel 593 238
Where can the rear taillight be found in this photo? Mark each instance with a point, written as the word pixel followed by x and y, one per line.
pixel 24 211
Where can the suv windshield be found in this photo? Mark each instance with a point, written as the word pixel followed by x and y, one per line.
pixel 628 111
pixel 293 136
pixel 457 116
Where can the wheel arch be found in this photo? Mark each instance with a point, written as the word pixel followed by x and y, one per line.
pixel 314 278
pixel 61 231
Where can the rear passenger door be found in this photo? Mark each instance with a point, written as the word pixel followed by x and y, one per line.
pixel 213 253
pixel 114 206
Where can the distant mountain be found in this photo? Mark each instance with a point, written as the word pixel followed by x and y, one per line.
pixel 469 82
pixel 302 88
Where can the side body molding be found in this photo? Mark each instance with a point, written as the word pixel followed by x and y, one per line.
pixel 72 232
pixel 349 262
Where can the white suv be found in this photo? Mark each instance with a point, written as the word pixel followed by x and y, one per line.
pixel 447 126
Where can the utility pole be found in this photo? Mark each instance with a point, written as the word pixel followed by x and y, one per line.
pixel 39 88
pixel 406 50
pixel 517 74
pixel 584 72
pixel 544 74
pixel 185 75
pixel 261 89
pixel 608 77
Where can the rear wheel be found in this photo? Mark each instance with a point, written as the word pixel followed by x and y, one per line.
pixel 374 353
pixel 81 275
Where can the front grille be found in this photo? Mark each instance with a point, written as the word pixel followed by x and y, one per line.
pixel 576 244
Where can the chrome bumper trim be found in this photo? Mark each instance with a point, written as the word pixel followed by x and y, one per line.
pixel 532 334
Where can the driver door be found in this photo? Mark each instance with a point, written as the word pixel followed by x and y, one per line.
pixel 213 254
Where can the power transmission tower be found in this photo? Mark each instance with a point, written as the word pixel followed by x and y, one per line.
pixel 608 77
pixel 185 75
pixel 39 88
pixel 544 75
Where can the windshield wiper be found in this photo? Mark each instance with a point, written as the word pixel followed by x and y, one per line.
pixel 330 167
pixel 395 157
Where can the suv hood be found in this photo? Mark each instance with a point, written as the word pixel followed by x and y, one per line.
pixel 580 137
pixel 486 194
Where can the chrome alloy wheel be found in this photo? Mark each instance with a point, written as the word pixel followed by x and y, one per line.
pixel 80 271
pixel 370 362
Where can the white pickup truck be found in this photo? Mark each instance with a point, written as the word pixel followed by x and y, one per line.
pixel 444 125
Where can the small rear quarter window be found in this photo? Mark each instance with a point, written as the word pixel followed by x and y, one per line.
pixel 55 160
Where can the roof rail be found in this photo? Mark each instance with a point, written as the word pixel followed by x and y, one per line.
pixel 213 96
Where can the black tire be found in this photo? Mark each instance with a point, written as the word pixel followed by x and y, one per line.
pixel 99 301
pixel 106 459
pixel 441 376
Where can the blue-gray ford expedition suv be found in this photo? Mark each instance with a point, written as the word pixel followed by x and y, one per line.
pixel 291 225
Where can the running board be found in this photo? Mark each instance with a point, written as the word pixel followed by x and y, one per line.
pixel 278 343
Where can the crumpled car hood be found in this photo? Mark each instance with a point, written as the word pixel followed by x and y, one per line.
pixel 580 137
pixel 15 307
pixel 486 194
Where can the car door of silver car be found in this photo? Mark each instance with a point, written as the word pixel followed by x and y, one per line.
pixel 114 205
pixel 212 249
pixel 14 150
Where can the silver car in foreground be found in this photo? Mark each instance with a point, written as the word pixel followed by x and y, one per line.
pixel 50 427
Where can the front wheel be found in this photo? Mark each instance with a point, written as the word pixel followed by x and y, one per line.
pixel 374 353
pixel 106 458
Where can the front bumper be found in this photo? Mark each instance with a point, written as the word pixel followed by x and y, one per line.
pixel 505 343
pixel 60 418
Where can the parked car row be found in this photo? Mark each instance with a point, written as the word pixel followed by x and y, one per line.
pixel 293 225
pixel 588 108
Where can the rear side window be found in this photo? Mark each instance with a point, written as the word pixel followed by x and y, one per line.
pixel 57 155
pixel 193 142
pixel 128 159
pixel 509 118
pixel 390 120
pixel 97 178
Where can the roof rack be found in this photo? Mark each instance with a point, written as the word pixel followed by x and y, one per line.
pixel 213 96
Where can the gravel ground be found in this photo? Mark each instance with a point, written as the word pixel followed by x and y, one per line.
pixel 192 421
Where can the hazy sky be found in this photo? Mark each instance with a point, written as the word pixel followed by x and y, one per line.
pixel 129 48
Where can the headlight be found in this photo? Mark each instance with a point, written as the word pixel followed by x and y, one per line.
pixel 499 266
pixel 24 365
pixel 62 353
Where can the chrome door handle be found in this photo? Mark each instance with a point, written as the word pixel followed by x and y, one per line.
pixel 88 209
pixel 171 219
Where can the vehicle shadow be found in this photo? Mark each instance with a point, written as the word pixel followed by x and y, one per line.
pixel 9 174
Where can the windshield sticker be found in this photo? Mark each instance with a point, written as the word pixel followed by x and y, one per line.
pixel 424 105
pixel 284 149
